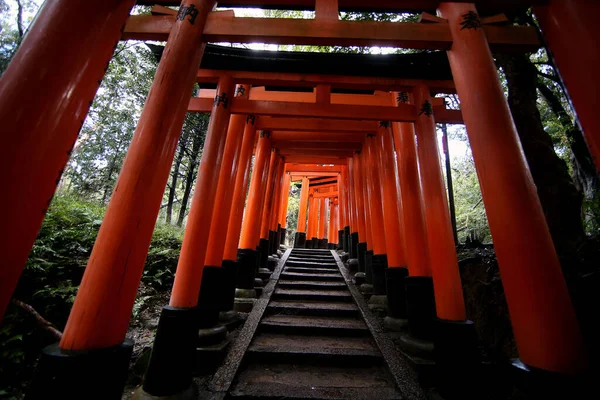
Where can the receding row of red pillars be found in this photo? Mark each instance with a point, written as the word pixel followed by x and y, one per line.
pixel 545 327
pixel 36 150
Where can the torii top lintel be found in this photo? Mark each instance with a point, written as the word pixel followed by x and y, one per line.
pixel 484 6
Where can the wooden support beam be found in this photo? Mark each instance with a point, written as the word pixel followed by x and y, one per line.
pixel 336 81
pixel 397 6
pixel 321 137
pixel 333 117
pixel 222 28
pixel 259 93
pixel 326 194
pixel 326 10
pixel 316 152
pixel 295 145
pixel 402 113
pixel 295 178
pixel 317 160
pixel 311 168
pixel 315 125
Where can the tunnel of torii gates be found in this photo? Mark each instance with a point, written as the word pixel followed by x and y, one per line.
pixel 365 123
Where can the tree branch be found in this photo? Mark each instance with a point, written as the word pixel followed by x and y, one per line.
pixel 548 76
pixel 44 323
pixel 20 19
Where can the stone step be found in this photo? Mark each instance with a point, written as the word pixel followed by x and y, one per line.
pixel 285 380
pixel 309 269
pixel 313 308
pixel 278 343
pixel 309 251
pixel 305 276
pixel 303 325
pixel 311 258
pixel 318 350
pixel 311 264
pixel 307 294
pixel 312 285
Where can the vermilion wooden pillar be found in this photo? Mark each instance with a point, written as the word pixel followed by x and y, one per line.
pixel 193 250
pixel 417 248
pixel 353 237
pixel 337 221
pixel 394 234
pixel 256 194
pixel 322 233
pixel 277 195
pixel 268 202
pixel 224 195
pixel 239 193
pixel 284 199
pixel 313 213
pixel 331 226
pixel 283 206
pixel 301 233
pixel 360 198
pixel 248 255
pixel 267 210
pixel 65 52
pixel 544 323
pixel 102 309
pixel 374 205
pixel 376 260
pixel 450 304
pixel 570 31
pixel 343 210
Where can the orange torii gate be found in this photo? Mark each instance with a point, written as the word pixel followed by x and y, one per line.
pixel 75 38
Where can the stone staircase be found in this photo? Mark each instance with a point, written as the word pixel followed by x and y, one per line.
pixel 312 342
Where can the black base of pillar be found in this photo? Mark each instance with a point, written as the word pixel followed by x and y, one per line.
pixel 308 244
pixel 172 361
pixel 361 250
pixel 323 244
pixel 248 264
pixel 271 245
pixel 228 296
pixel 345 240
pixel 396 292
pixel 282 234
pixel 263 250
pixel 543 384
pixel 420 306
pixel 457 358
pixel 368 256
pixel 277 239
pixel 92 374
pixel 354 245
pixel 378 267
pixel 212 299
pixel 300 240
pixel 340 242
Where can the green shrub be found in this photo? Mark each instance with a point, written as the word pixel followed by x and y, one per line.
pixel 52 275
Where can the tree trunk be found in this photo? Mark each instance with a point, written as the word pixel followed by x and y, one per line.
pixel 191 173
pixel 560 198
pixel 175 176
pixel 584 169
pixel 20 20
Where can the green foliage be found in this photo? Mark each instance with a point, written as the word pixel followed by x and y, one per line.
pixel 163 255
pixel 52 276
pixel 15 17
pixel 471 220
pixel 108 129
pixel 292 212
